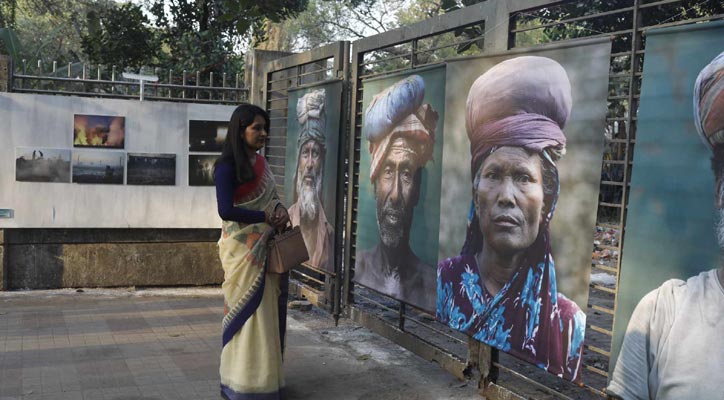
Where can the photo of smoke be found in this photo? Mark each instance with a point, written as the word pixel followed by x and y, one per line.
pixel 33 164
pixel 99 131
pixel 151 169
pixel 207 136
pixel 98 167
pixel 201 170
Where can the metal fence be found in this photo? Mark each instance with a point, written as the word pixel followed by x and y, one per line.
pixel 323 65
pixel 94 80
pixel 497 25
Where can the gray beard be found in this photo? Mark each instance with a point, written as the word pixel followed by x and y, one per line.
pixel 390 235
pixel 308 198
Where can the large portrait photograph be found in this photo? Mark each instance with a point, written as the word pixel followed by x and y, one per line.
pixel 524 135
pixel 37 164
pixel 310 181
pixel 399 185
pixel 99 131
pixel 669 315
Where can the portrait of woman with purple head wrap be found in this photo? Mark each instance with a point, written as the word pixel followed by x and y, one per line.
pixel 501 289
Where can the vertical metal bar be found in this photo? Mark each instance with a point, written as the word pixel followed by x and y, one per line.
pixel 352 178
pixel 99 72
pixel 170 81
pixel 83 71
pixel 236 86
pixel 211 84
pixel 155 86
pixel 223 85
pixel 341 64
pixel 198 82
pixel 113 78
pixel 70 66
pixel 413 54
pixel 55 73
pixel 183 83
pixel 636 44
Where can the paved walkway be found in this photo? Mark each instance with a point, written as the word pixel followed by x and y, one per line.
pixel 122 345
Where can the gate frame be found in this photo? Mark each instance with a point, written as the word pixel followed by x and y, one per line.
pixel 339 53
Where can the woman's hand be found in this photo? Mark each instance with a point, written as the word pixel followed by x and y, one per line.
pixel 280 218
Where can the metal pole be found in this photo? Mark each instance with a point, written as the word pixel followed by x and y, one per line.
pixel 183 83
pixel 198 81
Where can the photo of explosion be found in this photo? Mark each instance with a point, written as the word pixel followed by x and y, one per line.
pixel 99 131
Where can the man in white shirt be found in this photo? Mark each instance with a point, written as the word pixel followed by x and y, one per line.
pixel 673 347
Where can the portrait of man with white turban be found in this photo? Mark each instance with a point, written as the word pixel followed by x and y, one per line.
pixel 673 348
pixel 307 212
pixel 400 129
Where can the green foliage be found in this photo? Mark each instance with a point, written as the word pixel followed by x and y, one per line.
pixel 9 43
pixel 119 36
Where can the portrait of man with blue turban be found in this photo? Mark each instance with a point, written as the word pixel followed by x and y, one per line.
pixel 400 130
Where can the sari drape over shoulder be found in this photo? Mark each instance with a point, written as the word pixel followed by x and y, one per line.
pixel 251 357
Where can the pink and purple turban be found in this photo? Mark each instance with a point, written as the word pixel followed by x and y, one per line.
pixel 522 102
pixel 709 103
pixel 398 112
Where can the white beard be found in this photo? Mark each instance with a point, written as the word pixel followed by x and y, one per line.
pixel 308 198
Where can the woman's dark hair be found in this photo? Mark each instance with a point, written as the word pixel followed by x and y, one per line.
pixel 234 150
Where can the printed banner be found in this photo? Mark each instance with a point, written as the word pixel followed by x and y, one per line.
pixel 671 229
pixel 399 179
pixel 521 172
pixel 310 181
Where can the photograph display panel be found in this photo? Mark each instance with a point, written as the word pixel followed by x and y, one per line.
pixel 207 136
pixel 98 167
pixel 201 169
pixel 151 169
pixel 536 209
pixel 99 131
pixel 399 185
pixel 672 223
pixel 34 164
pixel 310 179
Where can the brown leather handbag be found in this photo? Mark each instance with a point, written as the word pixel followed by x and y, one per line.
pixel 286 251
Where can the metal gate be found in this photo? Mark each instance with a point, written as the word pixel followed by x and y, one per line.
pixel 326 64
pixel 490 26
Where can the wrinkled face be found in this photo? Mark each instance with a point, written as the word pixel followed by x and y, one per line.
pixel 255 134
pixel 396 192
pixel 310 164
pixel 509 199
pixel 309 179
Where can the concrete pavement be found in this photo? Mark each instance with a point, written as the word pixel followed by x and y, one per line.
pixel 164 344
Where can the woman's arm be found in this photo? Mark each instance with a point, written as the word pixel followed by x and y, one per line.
pixel 225 179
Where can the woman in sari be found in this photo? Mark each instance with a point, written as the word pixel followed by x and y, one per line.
pixel 253 326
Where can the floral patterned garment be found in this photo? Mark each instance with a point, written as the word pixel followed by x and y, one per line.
pixel 528 318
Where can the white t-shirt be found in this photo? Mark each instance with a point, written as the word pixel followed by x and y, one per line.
pixel 674 343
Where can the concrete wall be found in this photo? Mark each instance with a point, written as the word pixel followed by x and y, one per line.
pixel 57 258
pixel 59 235
pixel 28 120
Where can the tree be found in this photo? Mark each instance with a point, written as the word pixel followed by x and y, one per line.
pixel 119 35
